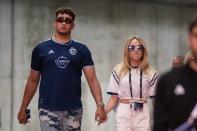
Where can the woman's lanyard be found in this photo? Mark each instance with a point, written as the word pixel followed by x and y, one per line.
pixel 130 84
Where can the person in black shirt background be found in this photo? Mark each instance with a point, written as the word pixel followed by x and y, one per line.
pixel 177 61
pixel 176 93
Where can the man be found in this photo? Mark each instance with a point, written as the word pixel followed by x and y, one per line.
pixel 176 93
pixel 177 61
pixel 59 62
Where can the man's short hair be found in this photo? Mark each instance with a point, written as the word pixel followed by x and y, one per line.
pixel 63 10
pixel 192 24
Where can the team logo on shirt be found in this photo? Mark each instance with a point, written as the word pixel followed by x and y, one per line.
pixel 51 52
pixel 62 62
pixel 72 51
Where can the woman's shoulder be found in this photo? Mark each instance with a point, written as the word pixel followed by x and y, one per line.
pixel 151 72
pixel 118 67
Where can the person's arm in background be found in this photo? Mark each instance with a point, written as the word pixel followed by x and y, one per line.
pixel 152 87
pixel 161 115
pixel 95 89
pixel 29 92
pixel 112 90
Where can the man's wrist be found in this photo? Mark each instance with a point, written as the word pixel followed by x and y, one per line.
pixel 23 108
pixel 100 104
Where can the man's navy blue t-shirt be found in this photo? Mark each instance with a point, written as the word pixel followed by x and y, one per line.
pixel 61 67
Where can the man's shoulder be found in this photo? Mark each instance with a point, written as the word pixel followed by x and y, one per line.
pixel 44 43
pixel 174 73
pixel 41 45
pixel 79 44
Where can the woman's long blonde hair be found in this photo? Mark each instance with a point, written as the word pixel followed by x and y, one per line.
pixel 123 68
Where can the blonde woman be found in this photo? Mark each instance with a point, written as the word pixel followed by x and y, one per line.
pixel 132 82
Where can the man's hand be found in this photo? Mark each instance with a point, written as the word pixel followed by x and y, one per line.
pixel 100 115
pixel 30 90
pixel 95 89
pixel 22 116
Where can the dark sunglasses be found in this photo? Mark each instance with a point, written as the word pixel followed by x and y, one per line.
pixel 135 47
pixel 64 19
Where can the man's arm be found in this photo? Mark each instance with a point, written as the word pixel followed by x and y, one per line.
pixel 95 89
pixel 30 90
pixel 161 115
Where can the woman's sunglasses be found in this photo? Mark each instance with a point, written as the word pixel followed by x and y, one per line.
pixel 135 48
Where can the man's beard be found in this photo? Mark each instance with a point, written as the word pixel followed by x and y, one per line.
pixel 193 62
pixel 195 57
pixel 64 33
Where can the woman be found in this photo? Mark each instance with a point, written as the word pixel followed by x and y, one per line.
pixel 132 82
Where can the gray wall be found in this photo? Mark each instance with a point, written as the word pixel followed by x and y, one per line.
pixel 103 25
pixel 5 65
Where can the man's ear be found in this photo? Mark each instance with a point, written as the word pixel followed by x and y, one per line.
pixel 73 26
pixel 54 24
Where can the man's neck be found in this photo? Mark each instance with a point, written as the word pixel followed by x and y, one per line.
pixel 193 65
pixel 62 38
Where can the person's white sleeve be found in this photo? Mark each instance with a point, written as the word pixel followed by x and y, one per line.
pixel 113 85
pixel 153 84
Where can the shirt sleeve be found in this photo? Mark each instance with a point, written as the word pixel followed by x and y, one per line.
pixel 113 86
pixel 86 57
pixel 35 60
pixel 152 84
